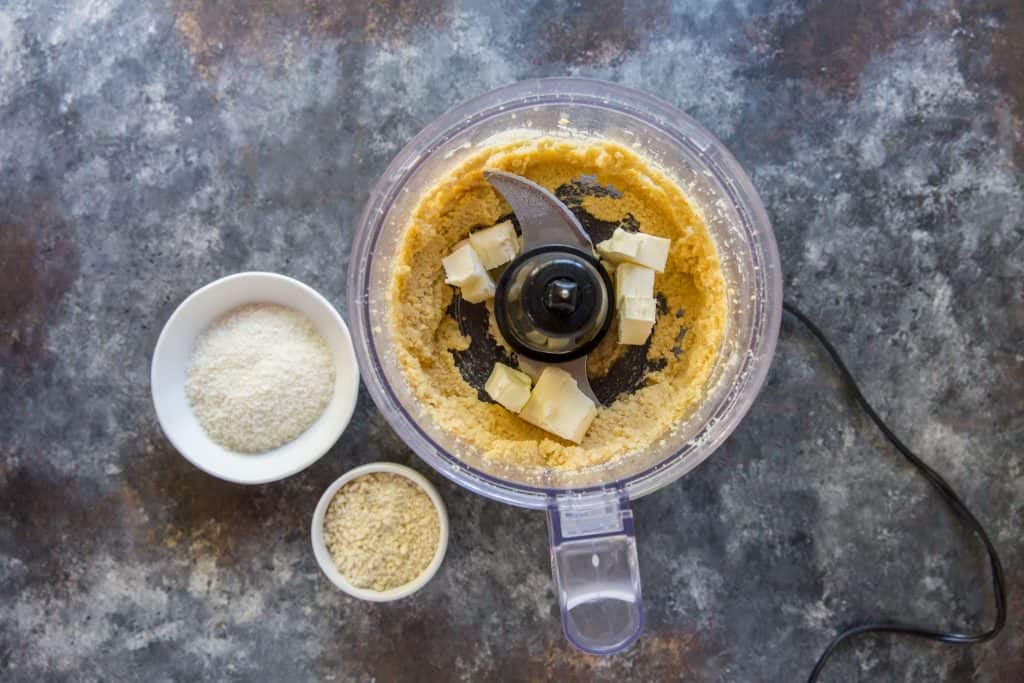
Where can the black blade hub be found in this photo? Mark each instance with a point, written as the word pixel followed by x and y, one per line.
pixel 554 303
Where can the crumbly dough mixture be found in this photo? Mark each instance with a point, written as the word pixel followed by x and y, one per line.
pixel 692 286
pixel 382 531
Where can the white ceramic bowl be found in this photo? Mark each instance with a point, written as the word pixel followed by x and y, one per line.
pixel 323 556
pixel 170 362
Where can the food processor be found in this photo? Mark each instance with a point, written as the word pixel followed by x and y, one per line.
pixel 593 546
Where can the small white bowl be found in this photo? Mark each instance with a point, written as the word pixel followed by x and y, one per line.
pixel 323 556
pixel 170 364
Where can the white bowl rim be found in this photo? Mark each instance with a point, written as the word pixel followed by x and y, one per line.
pixel 346 349
pixel 323 556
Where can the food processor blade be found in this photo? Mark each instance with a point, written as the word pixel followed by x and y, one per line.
pixel 542 217
pixel 546 222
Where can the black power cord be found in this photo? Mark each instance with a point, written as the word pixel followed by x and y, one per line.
pixel 947 494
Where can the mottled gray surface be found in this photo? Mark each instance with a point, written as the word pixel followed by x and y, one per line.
pixel 146 149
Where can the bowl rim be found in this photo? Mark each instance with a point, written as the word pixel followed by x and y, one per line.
pixel 309 456
pixel 323 555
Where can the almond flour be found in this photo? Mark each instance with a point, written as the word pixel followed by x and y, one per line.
pixel 381 530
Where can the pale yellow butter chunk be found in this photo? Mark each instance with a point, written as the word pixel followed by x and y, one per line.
pixel 621 246
pixel 479 290
pixel 463 269
pixel 509 387
pixel 636 319
pixel 496 245
pixel 633 280
pixel 557 405
pixel 636 247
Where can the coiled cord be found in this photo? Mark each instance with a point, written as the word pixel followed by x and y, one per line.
pixel 947 494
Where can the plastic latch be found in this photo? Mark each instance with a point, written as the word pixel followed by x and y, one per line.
pixel 591 515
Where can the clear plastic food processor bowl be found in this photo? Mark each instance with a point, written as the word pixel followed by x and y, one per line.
pixel 593 548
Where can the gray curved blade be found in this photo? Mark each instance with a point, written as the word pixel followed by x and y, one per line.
pixel 543 218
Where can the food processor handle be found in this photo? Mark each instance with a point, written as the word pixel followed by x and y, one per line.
pixel 594 562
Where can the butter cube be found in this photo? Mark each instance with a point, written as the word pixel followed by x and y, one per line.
pixel 633 280
pixel 462 265
pixel 621 246
pixel 479 290
pixel 496 245
pixel 463 269
pixel 557 405
pixel 636 319
pixel 636 247
pixel 508 387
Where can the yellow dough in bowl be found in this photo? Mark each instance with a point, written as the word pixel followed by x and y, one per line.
pixel 635 193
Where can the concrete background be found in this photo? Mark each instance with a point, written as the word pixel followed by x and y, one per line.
pixel 148 148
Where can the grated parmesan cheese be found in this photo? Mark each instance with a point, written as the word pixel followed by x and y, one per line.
pixel 259 377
